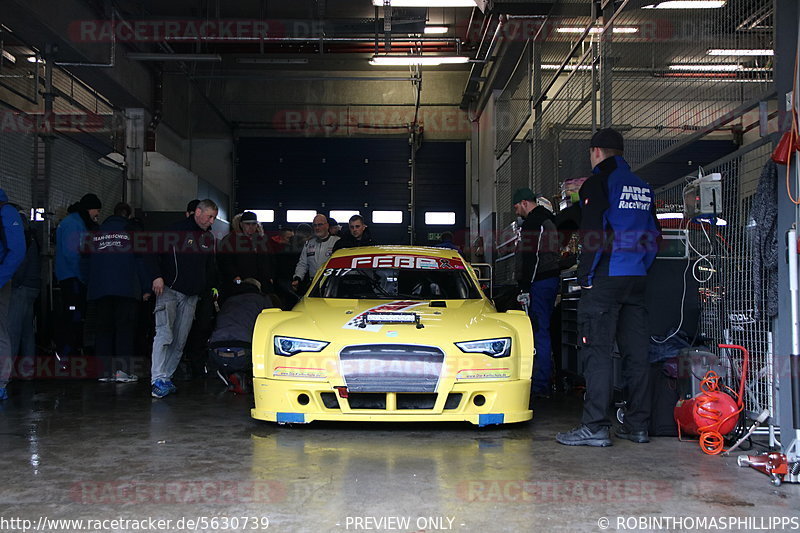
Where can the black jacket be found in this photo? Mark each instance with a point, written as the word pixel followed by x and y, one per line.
pixel 184 257
pixel 237 318
pixel 348 241
pixel 538 249
pixel 244 256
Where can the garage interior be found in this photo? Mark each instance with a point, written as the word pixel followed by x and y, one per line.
pixel 287 107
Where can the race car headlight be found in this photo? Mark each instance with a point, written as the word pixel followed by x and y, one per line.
pixel 288 346
pixel 491 347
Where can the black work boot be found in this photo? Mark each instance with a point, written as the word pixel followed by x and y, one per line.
pixel 583 436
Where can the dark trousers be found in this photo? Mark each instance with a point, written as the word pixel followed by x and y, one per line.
pixel 115 327
pixel 6 358
pixel 614 309
pixel 195 351
pixel 69 329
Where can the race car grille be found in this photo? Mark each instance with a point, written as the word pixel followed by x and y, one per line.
pixel 391 367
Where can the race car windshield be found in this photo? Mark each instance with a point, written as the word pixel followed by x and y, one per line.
pixel 394 283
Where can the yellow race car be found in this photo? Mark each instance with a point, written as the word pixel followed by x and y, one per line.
pixel 393 334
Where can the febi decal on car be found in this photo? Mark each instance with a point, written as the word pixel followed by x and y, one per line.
pixel 420 262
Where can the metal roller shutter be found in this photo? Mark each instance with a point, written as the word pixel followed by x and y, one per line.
pixel 16 166
pixel 76 171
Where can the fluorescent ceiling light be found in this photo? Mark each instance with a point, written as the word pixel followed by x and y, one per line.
pixel 8 56
pixel 615 29
pixel 426 3
pixel 550 66
pixel 34 59
pixel 710 67
pixel 687 4
pixel 342 216
pixel 300 215
pixel 264 215
pixel 741 52
pixel 440 218
pixel 387 217
pixel 435 30
pixel 669 216
pixel 417 60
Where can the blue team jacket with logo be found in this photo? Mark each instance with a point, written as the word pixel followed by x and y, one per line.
pixel 619 229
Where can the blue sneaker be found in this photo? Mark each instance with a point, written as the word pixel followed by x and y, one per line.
pixel 161 388
pixel 171 386
pixel 3 394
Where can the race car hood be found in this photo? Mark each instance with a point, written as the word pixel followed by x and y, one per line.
pixel 332 319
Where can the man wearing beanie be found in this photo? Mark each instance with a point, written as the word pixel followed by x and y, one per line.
pixel 72 273
pixel 537 275
pixel 619 233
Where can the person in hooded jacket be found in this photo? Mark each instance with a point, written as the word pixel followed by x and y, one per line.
pixel 230 345
pixel 72 273
pixel 117 280
pixel 359 235
pixel 12 251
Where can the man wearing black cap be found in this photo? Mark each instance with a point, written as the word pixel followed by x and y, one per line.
pixel 243 253
pixel 619 234
pixel 72 273
pixel 537 275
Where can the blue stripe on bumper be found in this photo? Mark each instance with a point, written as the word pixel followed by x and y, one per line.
pixel 490 419
pixel 292 418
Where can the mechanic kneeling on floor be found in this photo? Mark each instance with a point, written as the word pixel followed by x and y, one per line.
pixel 230 347
pixel 619 234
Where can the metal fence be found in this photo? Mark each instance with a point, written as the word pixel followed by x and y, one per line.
pixel 513 106
pixel 722 260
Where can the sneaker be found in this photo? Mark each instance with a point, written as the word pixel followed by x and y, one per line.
pixel 161 388
pixel 583 436
pixel 3 394
pixel 624 432
pixel 237 384
pixel 171 386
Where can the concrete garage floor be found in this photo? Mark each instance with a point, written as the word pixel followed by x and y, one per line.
pixel 86 450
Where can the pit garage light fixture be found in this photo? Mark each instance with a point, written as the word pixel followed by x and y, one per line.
pixel 711 67
pixel 417 60
pixel 553 66
pixel 427 3
pixel 741 52
pixel 435 30
pixel 173 57
pixel 8 56
pixel 687 4
pixel 615 29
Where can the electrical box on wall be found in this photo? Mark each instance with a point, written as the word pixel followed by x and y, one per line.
pixel 703 196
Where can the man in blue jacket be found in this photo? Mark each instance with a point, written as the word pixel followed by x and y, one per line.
pixel 184 268
pixel 117 279
pixel 619 233
pixel 12 251
pixel 72 273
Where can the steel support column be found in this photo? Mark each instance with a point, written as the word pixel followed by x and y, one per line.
pixel 786 34
pixel 134 156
